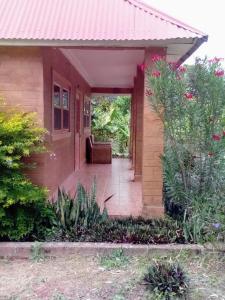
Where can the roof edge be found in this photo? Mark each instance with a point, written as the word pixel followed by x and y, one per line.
pixel 196 45
pixel 159 14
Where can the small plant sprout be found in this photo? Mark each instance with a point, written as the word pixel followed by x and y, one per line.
pixel 115 260
pixel 37 252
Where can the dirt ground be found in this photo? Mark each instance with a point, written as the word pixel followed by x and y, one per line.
pixel 95 278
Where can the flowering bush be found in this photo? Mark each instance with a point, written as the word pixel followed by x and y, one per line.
pixel 191 104
pixel 23 208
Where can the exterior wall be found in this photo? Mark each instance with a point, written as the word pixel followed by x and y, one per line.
pixel 26 75
pixel 152 176
pixel 21 78
pixel 58 169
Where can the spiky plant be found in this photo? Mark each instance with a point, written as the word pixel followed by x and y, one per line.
pixel 167 279
pixel 80 210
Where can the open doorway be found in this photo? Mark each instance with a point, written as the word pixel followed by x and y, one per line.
pixel 111 122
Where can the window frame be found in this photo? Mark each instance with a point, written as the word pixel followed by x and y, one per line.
pixel 63 84
pixel 87 116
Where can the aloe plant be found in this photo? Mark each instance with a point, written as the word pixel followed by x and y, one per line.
pixel 82 209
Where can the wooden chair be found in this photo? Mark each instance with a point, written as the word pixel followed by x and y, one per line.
pixel 98 152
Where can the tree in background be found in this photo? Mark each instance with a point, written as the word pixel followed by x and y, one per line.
pixel 111 122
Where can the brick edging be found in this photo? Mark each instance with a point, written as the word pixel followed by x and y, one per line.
pixel 57 249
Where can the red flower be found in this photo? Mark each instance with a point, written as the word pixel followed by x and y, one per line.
pixel 216 137
pixel 173 65
pixel 219 73
pixel 142 67
pixel 182 69
pixel 223 133
pixel 188 96
pixel 210 154
pixel 149 93
pixel 156 73
pixel 215 60
pixel 156 58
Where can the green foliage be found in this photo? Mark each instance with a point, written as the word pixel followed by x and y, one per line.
pixel 191 105
pixel 111 119
pixel 20 136
pixel 37 252
pixel 23 208
pixel 80 210
pixel 166 279
pixel 117 259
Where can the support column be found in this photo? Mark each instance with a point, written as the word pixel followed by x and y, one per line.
pixel 133 116
pixel 153 139
pixel 139 94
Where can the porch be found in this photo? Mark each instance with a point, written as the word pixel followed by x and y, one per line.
pixel 116 189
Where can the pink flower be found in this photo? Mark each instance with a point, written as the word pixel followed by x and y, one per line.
pixel 142 67
pixel 216 137
pixel 173 65
pixel 182 69
pixel 156 58
pixel 149 93
pixel 156 73
pixel 188 96
pixel 219 73
pixel 223 133
pixel 215 60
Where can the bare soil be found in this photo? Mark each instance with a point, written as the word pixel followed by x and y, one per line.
pixel 86 278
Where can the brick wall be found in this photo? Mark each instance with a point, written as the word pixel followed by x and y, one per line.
pixel 21 78
pixel 152 178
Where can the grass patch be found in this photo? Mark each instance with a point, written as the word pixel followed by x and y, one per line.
pixel 117 259
pixel 37 252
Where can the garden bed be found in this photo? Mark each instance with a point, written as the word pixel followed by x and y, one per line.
pixel 98 277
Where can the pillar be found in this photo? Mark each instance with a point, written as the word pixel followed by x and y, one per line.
pixel 152 173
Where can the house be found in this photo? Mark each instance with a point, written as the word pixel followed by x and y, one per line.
pixel 55 54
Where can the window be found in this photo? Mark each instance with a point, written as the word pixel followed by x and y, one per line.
pixel 61 98
pixel 87 112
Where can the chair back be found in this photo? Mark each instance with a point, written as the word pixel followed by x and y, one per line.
pixel 89 147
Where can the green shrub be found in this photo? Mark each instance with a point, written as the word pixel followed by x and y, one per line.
pixel 23 209
pixel 166 279
pixel 191 104
pixel 80 210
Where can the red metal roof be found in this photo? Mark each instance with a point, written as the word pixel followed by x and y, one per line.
pixel 97 20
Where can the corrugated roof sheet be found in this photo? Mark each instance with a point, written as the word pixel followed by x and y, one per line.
pixel 88 20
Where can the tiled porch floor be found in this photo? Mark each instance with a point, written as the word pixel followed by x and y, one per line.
pixel 116 180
